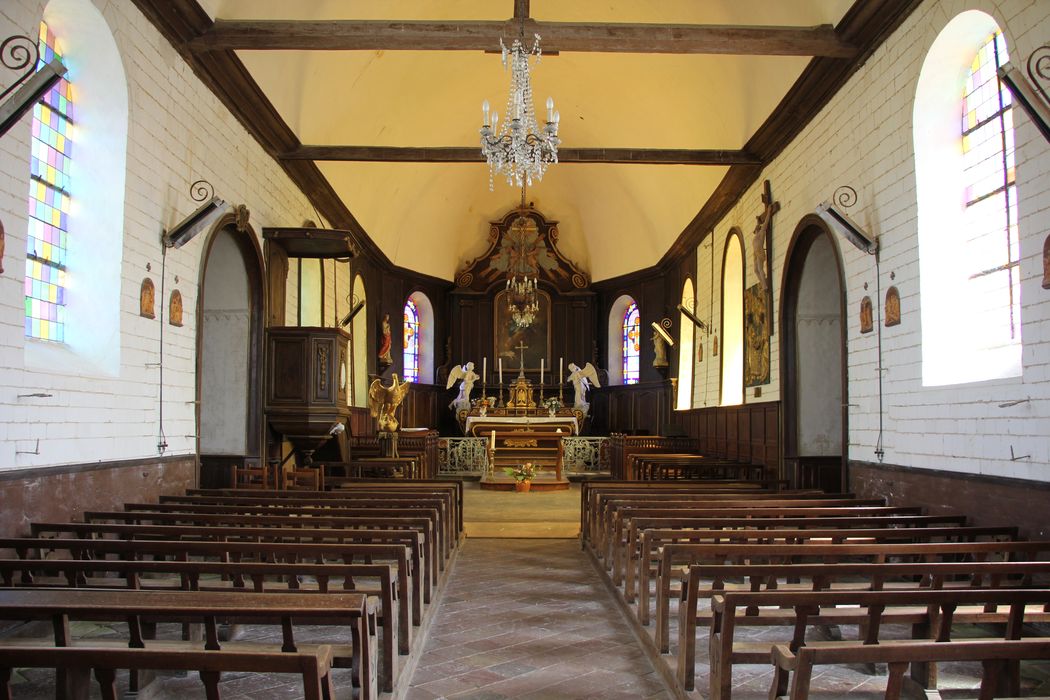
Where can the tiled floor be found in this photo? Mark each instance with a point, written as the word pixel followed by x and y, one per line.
pixel 526 618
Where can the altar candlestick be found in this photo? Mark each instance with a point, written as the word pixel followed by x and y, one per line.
pixel 541 371
pixel 484 370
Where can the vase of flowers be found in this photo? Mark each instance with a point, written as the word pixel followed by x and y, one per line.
pixel 522 476
pixel 552 404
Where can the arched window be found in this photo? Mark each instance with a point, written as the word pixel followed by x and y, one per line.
pixel 686 332
pixel 411 344
pixel 968 207
pixel 418 344
pixel 631 344
pixel 92 247
pixel 733 322
pixel 47 241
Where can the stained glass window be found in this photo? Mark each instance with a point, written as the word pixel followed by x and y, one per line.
pixel 990 230
pixel 411 344
pixel 631 349
pixel 47 241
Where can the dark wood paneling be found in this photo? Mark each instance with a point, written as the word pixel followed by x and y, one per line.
pixel 636 409
pixel 986 500
pixel 749 433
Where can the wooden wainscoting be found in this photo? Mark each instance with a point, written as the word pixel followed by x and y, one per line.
pixel 748 433
pixel 634 409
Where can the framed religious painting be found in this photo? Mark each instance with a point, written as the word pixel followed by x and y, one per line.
pixel 513 340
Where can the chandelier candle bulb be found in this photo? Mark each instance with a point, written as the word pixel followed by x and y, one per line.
pixel 550 109
pixel 485 112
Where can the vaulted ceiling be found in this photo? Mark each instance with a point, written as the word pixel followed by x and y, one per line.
pixel 668 108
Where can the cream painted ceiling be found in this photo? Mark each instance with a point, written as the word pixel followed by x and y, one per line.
pixel 614 218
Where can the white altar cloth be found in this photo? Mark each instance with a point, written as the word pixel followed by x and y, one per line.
pixel 568 421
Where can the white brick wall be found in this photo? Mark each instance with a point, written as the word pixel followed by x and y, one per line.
pixel 863 138
pixel 178 132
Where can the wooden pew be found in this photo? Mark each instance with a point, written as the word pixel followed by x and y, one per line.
pixel 652 540
pixel 453 489
pixel 590 490
pixel 440 523
pixel 627 556
pixel 615 511
pixel 664 466
pixel 930 613
pixel 678 554
pixel 352 611
pixel 423 525
pixel 995 658
pixel 282 577
pixel 351 504
pixel 415 575
pixel 36 548
pixel 705 581
pixel 314 665
pixel 613 531
pixel 601 511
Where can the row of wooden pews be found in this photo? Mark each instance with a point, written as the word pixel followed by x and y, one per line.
pixel 725 572
pixel 363 561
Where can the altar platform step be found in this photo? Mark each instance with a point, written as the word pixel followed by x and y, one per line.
pixel 542 482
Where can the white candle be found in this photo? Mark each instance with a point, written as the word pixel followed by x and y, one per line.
pixel 493 440
pixel 484 370
pixel 501 371
pixel 541 371
pixel 561 372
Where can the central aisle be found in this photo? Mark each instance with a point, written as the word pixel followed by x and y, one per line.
pixel 530 618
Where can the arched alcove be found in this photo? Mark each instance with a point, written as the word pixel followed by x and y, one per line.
pixel 229 347
pixel 813 350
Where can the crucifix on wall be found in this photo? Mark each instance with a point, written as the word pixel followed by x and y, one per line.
pixel 762 250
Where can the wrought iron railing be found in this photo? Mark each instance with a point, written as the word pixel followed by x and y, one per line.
pixel 469 455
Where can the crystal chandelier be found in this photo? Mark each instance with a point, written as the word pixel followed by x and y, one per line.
pixel 517 149
pixel 522 303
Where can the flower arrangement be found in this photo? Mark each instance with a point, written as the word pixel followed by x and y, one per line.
pixel 525 472
pixel 552 404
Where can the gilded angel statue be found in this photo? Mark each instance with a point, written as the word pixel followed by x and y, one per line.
pixel 581 380
pixel 384 400
pixel 466 376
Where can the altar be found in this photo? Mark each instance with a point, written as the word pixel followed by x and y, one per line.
pixel 481 426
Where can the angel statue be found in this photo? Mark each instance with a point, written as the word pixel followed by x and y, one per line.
pixel 384 400
pixel 466 376
pixel 582 379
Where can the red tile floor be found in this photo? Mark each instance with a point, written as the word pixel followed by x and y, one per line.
pixel 530 618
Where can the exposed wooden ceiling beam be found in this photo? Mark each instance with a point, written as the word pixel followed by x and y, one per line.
pixel 374 35
pixel 472 154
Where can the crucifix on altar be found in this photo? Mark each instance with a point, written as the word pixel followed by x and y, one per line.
pixel 521 347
